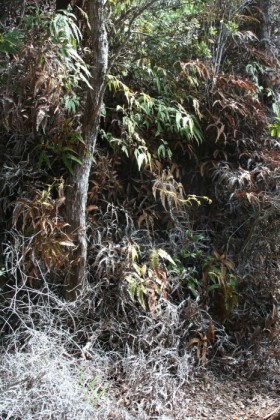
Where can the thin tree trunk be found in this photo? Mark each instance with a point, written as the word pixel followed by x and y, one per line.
pixel 76 194
pixel 270 38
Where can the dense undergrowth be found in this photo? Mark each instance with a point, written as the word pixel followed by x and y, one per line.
pixel 183 210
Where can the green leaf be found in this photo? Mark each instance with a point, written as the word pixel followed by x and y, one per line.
pixel 44 158
pixel 132 289
pixel 67 164
pixel 73 157
pixel 140 296
pixel 213 286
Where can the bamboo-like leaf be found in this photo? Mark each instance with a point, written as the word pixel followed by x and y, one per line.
pixel 67 243
pixel 69 156
pixel 140 296
pixel 132 289
pixel 163 254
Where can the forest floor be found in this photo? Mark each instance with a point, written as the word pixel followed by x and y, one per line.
pixel 221 398
pixel 238 399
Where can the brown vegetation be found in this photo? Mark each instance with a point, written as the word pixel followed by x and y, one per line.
pixel 180 210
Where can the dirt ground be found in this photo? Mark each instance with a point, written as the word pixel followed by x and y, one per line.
pixel 238 399
pixel 219 397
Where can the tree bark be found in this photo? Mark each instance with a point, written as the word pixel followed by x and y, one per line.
pixel 270 38
pixel 76 194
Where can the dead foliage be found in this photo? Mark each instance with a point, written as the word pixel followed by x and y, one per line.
pixel 176 285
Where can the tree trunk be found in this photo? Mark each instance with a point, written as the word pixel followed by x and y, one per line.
pixel 76 194
pixel 270 37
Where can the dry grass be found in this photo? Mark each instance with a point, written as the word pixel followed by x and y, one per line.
pixel 40 380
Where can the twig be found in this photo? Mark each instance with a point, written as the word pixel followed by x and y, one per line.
pixel 276 411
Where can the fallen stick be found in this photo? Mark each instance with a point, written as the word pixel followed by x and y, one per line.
pixel 276 411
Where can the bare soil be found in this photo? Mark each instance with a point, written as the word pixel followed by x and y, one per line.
pixel 217 398
pixel 240 399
